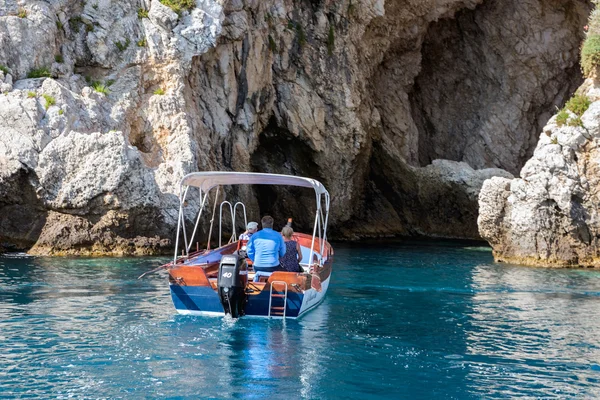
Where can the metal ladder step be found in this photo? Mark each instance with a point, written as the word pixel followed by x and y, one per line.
pixel 278 310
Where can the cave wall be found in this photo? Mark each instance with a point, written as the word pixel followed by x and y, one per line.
pixel 492 77
pixel 351 93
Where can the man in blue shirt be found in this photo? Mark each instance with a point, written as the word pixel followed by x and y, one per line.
pixel 265 247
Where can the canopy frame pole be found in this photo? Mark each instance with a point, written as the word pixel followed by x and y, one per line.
pixel 321 230
pixel 312 244
pixel 202 203
pixel 221 219
pixel 212 218
pixel 183 219
pixel 326 222
pixel 178 227
pixel 235 214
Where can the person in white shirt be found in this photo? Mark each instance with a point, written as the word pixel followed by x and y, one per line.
pixel 251 228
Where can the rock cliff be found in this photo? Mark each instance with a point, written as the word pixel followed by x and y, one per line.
pixel 105 105
pixel 550 215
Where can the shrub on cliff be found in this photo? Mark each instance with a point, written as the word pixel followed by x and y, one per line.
pixel 179 5
pixel 562 117
pixel 123 46
pixel 50 101
pixel 142 13
pixel 590 54
pixel 331 40
pixel 578 104
pixel 39 73
pixel 100 87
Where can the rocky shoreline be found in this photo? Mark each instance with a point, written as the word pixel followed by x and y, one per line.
pixel 550 215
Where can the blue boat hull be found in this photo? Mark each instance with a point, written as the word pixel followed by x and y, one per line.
pixel 203 300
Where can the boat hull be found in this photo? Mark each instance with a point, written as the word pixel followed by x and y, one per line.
pixel 203 300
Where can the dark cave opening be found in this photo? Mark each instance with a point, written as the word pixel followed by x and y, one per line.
pixel 280 152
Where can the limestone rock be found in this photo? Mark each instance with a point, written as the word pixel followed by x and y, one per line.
pixel 549 216
pixel 340 91
pixel 162 15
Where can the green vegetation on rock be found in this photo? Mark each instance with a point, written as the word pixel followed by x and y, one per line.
pixel 590 51
pixel 272 45
pixel 562 117
pixel 4 69
pixel 331 40
pixel 179 5
pixel 578 104
pixel 301 35
pixel 122 46
pixel 575 122
pixel 59 58
pixel 31 95
pixel 141 42
pixel 590 54
pixel 22 13
pixel 75 24
pixel 42 72
pixel 159 91
pixel 100 87
pixel 142 13
pixel 50 101
pixel 351 8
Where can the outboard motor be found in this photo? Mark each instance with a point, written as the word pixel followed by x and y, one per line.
pixel 232 281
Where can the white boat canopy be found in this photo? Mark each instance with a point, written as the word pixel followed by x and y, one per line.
pixel 208 180
pixel 205 181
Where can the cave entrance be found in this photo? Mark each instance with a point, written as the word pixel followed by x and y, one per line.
pixel 280 152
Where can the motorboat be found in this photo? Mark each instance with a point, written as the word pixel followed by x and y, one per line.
pixel 221 281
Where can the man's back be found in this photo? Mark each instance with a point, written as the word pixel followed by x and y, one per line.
pixel 265 247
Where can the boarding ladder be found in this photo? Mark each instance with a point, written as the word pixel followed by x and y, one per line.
pixel 277 310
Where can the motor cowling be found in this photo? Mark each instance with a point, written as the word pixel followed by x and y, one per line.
pixel 231 284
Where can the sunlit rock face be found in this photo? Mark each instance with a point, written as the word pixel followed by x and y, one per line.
pixel 550 215
pixel 362 95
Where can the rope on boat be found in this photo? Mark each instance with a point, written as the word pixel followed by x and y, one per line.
pixel 155 270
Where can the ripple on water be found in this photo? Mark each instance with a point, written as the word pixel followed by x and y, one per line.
pixel 402 321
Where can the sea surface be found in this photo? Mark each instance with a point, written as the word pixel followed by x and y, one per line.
pixel 400 321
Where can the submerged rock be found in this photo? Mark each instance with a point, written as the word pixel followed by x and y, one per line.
pixel 550 215
pixel 107 105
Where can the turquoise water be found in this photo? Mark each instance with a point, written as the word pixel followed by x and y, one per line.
pixel 400 321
